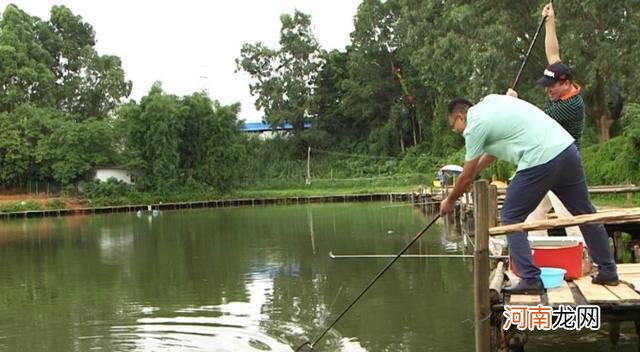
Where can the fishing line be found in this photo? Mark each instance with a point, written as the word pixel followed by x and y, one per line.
pixel 418 235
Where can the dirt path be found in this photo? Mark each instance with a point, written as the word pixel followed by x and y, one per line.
pixel 42 199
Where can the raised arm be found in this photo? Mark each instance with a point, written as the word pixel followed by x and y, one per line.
pixel 551 46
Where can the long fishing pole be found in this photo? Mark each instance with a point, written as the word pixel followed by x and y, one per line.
pixel 409 204
pixel 418 235
pixel 436 256
pixel 526 58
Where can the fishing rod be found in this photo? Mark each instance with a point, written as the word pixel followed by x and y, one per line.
pixel 359 256
pixel 410 204
pixel 418 235
pixel 526 57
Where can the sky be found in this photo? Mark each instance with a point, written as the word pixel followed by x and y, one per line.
pixel 191 45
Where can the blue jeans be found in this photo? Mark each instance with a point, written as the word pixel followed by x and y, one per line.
pixel 565 177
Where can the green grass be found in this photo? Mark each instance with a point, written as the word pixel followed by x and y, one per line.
pixel 20 206
pixel 56 203
pixel 307 192
pixel 326 187
pixel 277 188
pixel 616 200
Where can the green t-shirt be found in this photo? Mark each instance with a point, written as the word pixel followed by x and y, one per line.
pixel 513 130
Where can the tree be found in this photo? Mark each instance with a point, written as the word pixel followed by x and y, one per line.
pixel 212 142
pixel 55 64
pixel 89 84
pixel 476 43
pixel 227 148
pixel 471 49
pixel 74 149
pixel 598 39
pixel 15 154
pixel 371 88
pixel 329 100
pixel 285 77
pixel 25 74
pixel 153 130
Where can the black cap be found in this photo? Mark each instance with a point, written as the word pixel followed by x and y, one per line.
pixel 555 73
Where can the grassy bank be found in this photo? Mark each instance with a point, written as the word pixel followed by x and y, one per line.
pixel 327 187
pixel 116 194
pixel 271 190
pixel 616 200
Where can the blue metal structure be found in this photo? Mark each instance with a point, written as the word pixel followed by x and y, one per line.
pixel 259 127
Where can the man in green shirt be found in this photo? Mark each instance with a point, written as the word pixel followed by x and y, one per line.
pixel 514 130
pixel 565 105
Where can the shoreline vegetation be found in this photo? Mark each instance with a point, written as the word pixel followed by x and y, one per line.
pixel 30 202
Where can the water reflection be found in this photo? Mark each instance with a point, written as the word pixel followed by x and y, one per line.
pixel 116 245
pixel 233 326
pixel 240 279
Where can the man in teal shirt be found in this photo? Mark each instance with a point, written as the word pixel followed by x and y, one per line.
pixel 547 159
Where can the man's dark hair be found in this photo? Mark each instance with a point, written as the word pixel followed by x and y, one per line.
pixel 458 104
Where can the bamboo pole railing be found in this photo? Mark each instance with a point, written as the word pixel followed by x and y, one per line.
pixel 604 217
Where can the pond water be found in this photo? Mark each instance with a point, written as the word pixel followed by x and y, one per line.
pixel 242 279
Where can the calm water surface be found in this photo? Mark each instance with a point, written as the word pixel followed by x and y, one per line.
pixel 241 279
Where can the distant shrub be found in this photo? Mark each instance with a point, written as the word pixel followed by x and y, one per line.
pixel 112 188
pixel 55 203
pixel 20 206
pixel 615 161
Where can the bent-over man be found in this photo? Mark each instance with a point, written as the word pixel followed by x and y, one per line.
pixel 547 159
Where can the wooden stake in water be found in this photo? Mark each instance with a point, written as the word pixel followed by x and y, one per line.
pixel 481 267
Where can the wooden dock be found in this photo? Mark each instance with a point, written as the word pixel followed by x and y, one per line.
pixel 582 291
pixel 615 303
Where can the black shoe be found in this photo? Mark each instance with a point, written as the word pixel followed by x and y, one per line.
pixel 605 279
pixel 526 287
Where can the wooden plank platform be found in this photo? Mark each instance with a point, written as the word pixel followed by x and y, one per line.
pixel 625 293
pixel 525 300
pixel 594 294
pixel 561 295
pixel 582 291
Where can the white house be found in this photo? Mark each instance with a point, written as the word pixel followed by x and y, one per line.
pixel 103 173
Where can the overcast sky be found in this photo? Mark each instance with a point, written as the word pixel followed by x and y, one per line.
pixel 191 45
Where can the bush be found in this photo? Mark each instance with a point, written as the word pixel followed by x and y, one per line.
pixel 56 203
pixel 615 161
pixel 110 189
pixel 415 162
pixel 20 206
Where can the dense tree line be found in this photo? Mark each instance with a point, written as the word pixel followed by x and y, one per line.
pixel 171 141
pixel 63 108
pixel 62 114
pixel 56 97
pixel 385 94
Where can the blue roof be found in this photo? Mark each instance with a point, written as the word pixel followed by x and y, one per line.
pixel 263 127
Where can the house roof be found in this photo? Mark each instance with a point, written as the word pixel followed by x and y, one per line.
pixel 263 127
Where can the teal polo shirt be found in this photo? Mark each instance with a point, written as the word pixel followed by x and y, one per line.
pixel 513 130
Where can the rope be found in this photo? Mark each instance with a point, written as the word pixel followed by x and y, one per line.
pixel 474 323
